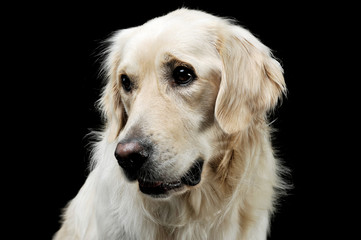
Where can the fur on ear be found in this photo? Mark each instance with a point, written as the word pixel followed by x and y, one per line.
pixel 113 111
pixel 252 80
pixel 110 102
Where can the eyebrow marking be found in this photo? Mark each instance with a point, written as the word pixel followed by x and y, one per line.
pixel 171 62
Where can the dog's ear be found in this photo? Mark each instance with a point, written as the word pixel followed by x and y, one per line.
pixel 110 102
pixel 112 110
pixel 252 80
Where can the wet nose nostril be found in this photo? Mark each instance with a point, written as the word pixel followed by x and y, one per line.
pixel 131 156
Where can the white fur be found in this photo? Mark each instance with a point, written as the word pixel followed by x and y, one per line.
pixel 242 82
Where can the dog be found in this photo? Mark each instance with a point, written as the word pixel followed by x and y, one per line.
pixel 186 149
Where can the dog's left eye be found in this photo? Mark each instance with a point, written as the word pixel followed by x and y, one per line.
pixel 183 75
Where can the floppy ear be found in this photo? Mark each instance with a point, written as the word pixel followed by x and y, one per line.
pixel 113 111
pixel 110 102
pixel 252 81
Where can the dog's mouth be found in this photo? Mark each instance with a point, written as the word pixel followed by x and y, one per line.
pixel 158 188
pixel 161 189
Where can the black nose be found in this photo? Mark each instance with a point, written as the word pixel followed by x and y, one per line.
pixel 131 156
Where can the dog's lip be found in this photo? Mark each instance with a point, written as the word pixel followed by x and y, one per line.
pixel 160 188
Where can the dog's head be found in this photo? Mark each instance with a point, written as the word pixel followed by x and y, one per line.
pixel 177 86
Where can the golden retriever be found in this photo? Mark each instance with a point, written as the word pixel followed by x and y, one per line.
pixel 186 150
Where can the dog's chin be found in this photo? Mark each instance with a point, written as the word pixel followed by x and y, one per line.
pixel 165 189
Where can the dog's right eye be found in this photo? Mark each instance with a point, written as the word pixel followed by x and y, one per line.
pixel 126 83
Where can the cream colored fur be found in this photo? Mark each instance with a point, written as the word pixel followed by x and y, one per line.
pixel 221 116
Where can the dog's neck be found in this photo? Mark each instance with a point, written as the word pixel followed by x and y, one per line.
pixel 197 208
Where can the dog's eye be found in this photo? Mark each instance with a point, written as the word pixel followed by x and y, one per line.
pixel 126 83
pixel 183 75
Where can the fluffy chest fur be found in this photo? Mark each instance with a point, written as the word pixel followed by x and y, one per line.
pixel 123 214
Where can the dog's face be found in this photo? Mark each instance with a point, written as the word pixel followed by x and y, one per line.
pixel 178 86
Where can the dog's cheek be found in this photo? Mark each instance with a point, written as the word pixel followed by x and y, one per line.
pixel 205 105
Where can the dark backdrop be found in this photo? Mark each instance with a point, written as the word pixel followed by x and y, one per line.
pixel 56 76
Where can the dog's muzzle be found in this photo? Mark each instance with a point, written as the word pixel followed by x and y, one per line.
pixel 132 156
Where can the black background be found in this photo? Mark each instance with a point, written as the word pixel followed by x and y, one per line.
pixel 54 83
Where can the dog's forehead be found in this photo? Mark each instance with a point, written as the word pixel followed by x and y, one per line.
pixel 153 43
